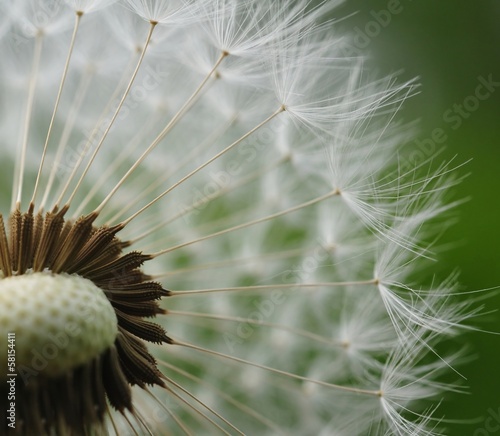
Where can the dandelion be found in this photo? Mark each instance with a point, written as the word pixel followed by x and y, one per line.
pixel 209 230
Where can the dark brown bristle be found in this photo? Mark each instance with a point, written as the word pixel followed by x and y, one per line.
pixel 15 235
pixel 25 242
pixel 72 244
pixel 115 383
pixel 143 329
pixel 139 367
pixel 44 252
pixel 5 258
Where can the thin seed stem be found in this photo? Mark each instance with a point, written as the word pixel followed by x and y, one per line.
pixel 16 199
pixel 98 126
pixel 276 286
pixel 169 412
pixel 194 409
pixel 265 257
pixel 244 408
pixel 142 422
pixel 222 191
pixel 201 403
pixel 278 371
pixel 295 331
pixel 68 127
pixel 134 144
pixel 130 424
pixel 250 223
pixel 162 134
pixel 208 162
pixel 78 18
pixel 194 152
pixel 113 423
pixel 113 119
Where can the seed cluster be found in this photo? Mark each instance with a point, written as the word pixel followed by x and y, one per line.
pixel 75 400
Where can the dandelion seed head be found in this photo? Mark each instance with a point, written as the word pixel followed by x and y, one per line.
pixel 219 197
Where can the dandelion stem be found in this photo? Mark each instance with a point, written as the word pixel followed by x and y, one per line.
pixel 162 134
pixel 16 198
pixel 277 371
pixel 78 18
pixel 113 118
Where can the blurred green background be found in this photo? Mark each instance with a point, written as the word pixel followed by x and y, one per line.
pixel 449 44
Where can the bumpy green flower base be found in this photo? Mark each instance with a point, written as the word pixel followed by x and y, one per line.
pixel 59 321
